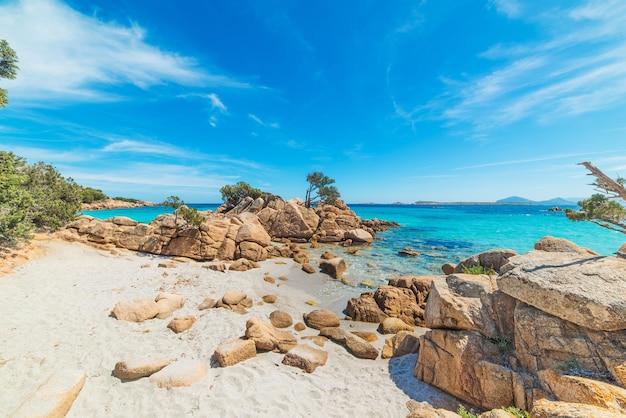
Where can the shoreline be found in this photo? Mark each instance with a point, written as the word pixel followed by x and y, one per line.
pixel 57 316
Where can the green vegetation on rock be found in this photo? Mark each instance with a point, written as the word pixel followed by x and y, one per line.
pixel 320 190
pixel 233 193
pixel 8 68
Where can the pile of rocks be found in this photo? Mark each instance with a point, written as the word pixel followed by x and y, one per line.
pixel 243 232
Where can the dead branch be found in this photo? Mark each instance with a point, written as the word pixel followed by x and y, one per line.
pixel 604 183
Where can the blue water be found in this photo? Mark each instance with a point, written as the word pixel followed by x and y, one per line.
pixel 442 234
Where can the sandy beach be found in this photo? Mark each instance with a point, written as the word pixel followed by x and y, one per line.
pixel 56 315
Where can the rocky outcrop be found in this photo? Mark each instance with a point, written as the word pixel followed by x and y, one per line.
pixel 244 231
pixel 115 204
pixel 551 325
pixel 356 345
pixel 588 291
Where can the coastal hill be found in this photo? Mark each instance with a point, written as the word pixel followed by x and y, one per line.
pixel 555 201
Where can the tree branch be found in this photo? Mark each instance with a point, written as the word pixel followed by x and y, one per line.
pixel 605 183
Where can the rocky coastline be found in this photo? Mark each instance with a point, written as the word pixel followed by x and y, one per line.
pixel 543 332
pixel 115 204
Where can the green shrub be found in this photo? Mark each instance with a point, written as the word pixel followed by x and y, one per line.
pixel 478 269
pixel 519 413
pixel 90 195
pixel 233 193
pixel 127 199
pixel 464 413
pixel 504 344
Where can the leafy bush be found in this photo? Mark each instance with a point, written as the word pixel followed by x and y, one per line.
pixel 90 195
pixel 519 413
pixel 127 199
pixel 31 197
pixel 464 413
pixel 504 344
pixel 233 193
pixel 478 269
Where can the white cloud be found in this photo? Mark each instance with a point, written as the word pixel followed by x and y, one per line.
pixel 578 67
pixel 65 55
pixel 216 103
pixel 262 123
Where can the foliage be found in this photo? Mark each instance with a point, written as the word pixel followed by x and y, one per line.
pixel 8 68
pixel 320 189
pixel 31 197
pixel 127 199
pixel 464 413
pixel 517 412
pixel 504 344
pixel 15 201
pixel 190 215
pixel 89 195
pixel 233 193
pixel 570 366
pixel 599 209
pixel 478 269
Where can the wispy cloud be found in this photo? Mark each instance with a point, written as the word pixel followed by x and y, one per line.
pixel 262 123
pixel 533 160
pixel 65 55
pixel 577 68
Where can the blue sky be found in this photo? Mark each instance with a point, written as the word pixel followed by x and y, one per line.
pixel 447 100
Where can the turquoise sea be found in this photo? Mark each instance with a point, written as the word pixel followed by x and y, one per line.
pixel 443 233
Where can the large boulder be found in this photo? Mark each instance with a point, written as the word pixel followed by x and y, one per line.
pixel 588 291
pixel 489 260
pixel 400 303
pixel 404 342
pixel 577 389
pixel 321 318
pixel 334 267
pixel 457 302
pixel 364 308
pixel 359 236
pixel 544 408
pixel 252 230
pixel 168 303
pixel 294 221
pixel 468 366
pixel 560 245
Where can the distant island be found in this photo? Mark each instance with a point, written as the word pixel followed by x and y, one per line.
pixel 512 200
pixel 558 201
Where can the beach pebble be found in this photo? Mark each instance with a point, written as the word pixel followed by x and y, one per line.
pixel 234 351
pixel 307 268
pixel 140 367
pixel 135 310
pixel 55 396
pixel 181 323
pixel 306 358
pixel 207 303
pixel 269 298
pixel 299 326
pixel 321 318
pixel 301 257
pixel 409 252
pixel 181 373
pixel 393 326
pixel 281 319
pixel 327 255
pixel 448 268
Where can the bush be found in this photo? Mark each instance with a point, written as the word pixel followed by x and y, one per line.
pixel 33 197
pixel 478 269
pixel 89 195
pixel 233 193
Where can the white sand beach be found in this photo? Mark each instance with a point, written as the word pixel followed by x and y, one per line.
pixel 56 314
